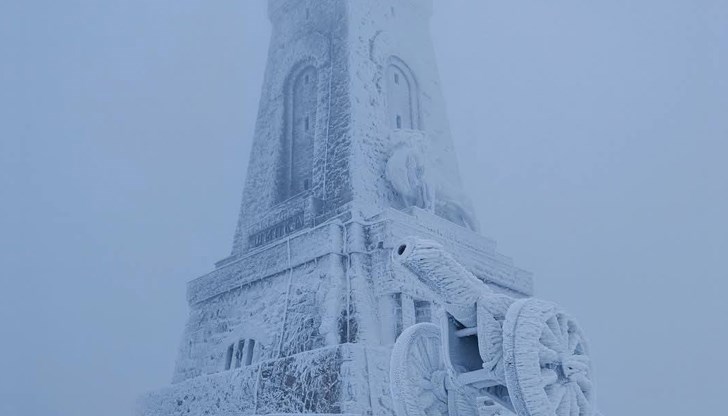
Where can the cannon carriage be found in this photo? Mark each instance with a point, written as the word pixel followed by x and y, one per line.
pixel 492 354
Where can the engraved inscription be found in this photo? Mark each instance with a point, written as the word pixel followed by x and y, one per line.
pixel 278 230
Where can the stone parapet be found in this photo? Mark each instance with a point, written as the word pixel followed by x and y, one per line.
pixel 267 261
pixel 326 381
pixel 309 382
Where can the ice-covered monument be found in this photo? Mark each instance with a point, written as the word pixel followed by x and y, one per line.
pixel 355 240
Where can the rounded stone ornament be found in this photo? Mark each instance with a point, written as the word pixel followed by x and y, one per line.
pixel 547 364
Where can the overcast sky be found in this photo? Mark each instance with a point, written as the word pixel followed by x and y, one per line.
pixel 592 136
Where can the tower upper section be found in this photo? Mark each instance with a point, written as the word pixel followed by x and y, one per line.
pixel 351 120
pixel 277 8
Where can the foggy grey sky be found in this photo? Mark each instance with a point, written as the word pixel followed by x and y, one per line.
pixel 592 137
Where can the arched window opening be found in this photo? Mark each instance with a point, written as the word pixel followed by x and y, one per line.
pixel 401 97
pixel 240 354
pixel 229 357
pixel 249 352
pixel 300 132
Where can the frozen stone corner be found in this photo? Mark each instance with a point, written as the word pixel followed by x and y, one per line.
pixel 351 155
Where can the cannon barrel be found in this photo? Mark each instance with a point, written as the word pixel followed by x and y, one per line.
pixel 454 286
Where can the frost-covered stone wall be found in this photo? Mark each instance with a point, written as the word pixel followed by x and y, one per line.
pixel 306 383
pixel 307 36
pixel 392 39
pixel 322 287
pixel 348 84
pixel 351 154
pixel 292 311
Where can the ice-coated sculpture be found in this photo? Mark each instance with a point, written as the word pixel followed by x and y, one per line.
pixel 491 354
pixel 351 156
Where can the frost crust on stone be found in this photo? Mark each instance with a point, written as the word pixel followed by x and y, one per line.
pixel 351 154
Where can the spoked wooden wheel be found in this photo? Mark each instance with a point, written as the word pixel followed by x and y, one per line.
pixel 548 369
pixel 417 373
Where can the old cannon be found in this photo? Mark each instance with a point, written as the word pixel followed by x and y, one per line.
pixel 492 354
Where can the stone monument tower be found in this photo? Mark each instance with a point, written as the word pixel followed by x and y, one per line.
pixel 352 153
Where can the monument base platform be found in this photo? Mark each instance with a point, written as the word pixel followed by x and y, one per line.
pixel 345 379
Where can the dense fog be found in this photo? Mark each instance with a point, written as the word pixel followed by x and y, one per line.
pixel 591 136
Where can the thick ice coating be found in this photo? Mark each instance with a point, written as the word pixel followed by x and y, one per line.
pixel 457 288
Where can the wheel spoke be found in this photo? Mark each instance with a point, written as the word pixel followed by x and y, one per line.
pixel 424 383
pixel 574 341
pixel 574 404
pixel 426 399
pixel 547 355
pixel 435 354
pixel 417 362
pixel 581 397
pixel 555 326
pixel 422 345
pixel 584 384
pixel 564 408
pixel 564 325
pixel 555 393
pixel 550 339
pixel 417 384
pixel 548 377
pixel 427 353
pixel 563 363
pixel 423 356
pixel 583 362
pixel 433 411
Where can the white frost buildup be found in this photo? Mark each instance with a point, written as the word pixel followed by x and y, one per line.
pixel 351 155
pixel 452 284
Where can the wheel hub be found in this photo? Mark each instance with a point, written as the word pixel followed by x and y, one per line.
pixel 573 367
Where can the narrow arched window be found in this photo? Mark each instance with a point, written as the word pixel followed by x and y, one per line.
pixel 300 132
pixel 402 112
pixel 240 353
